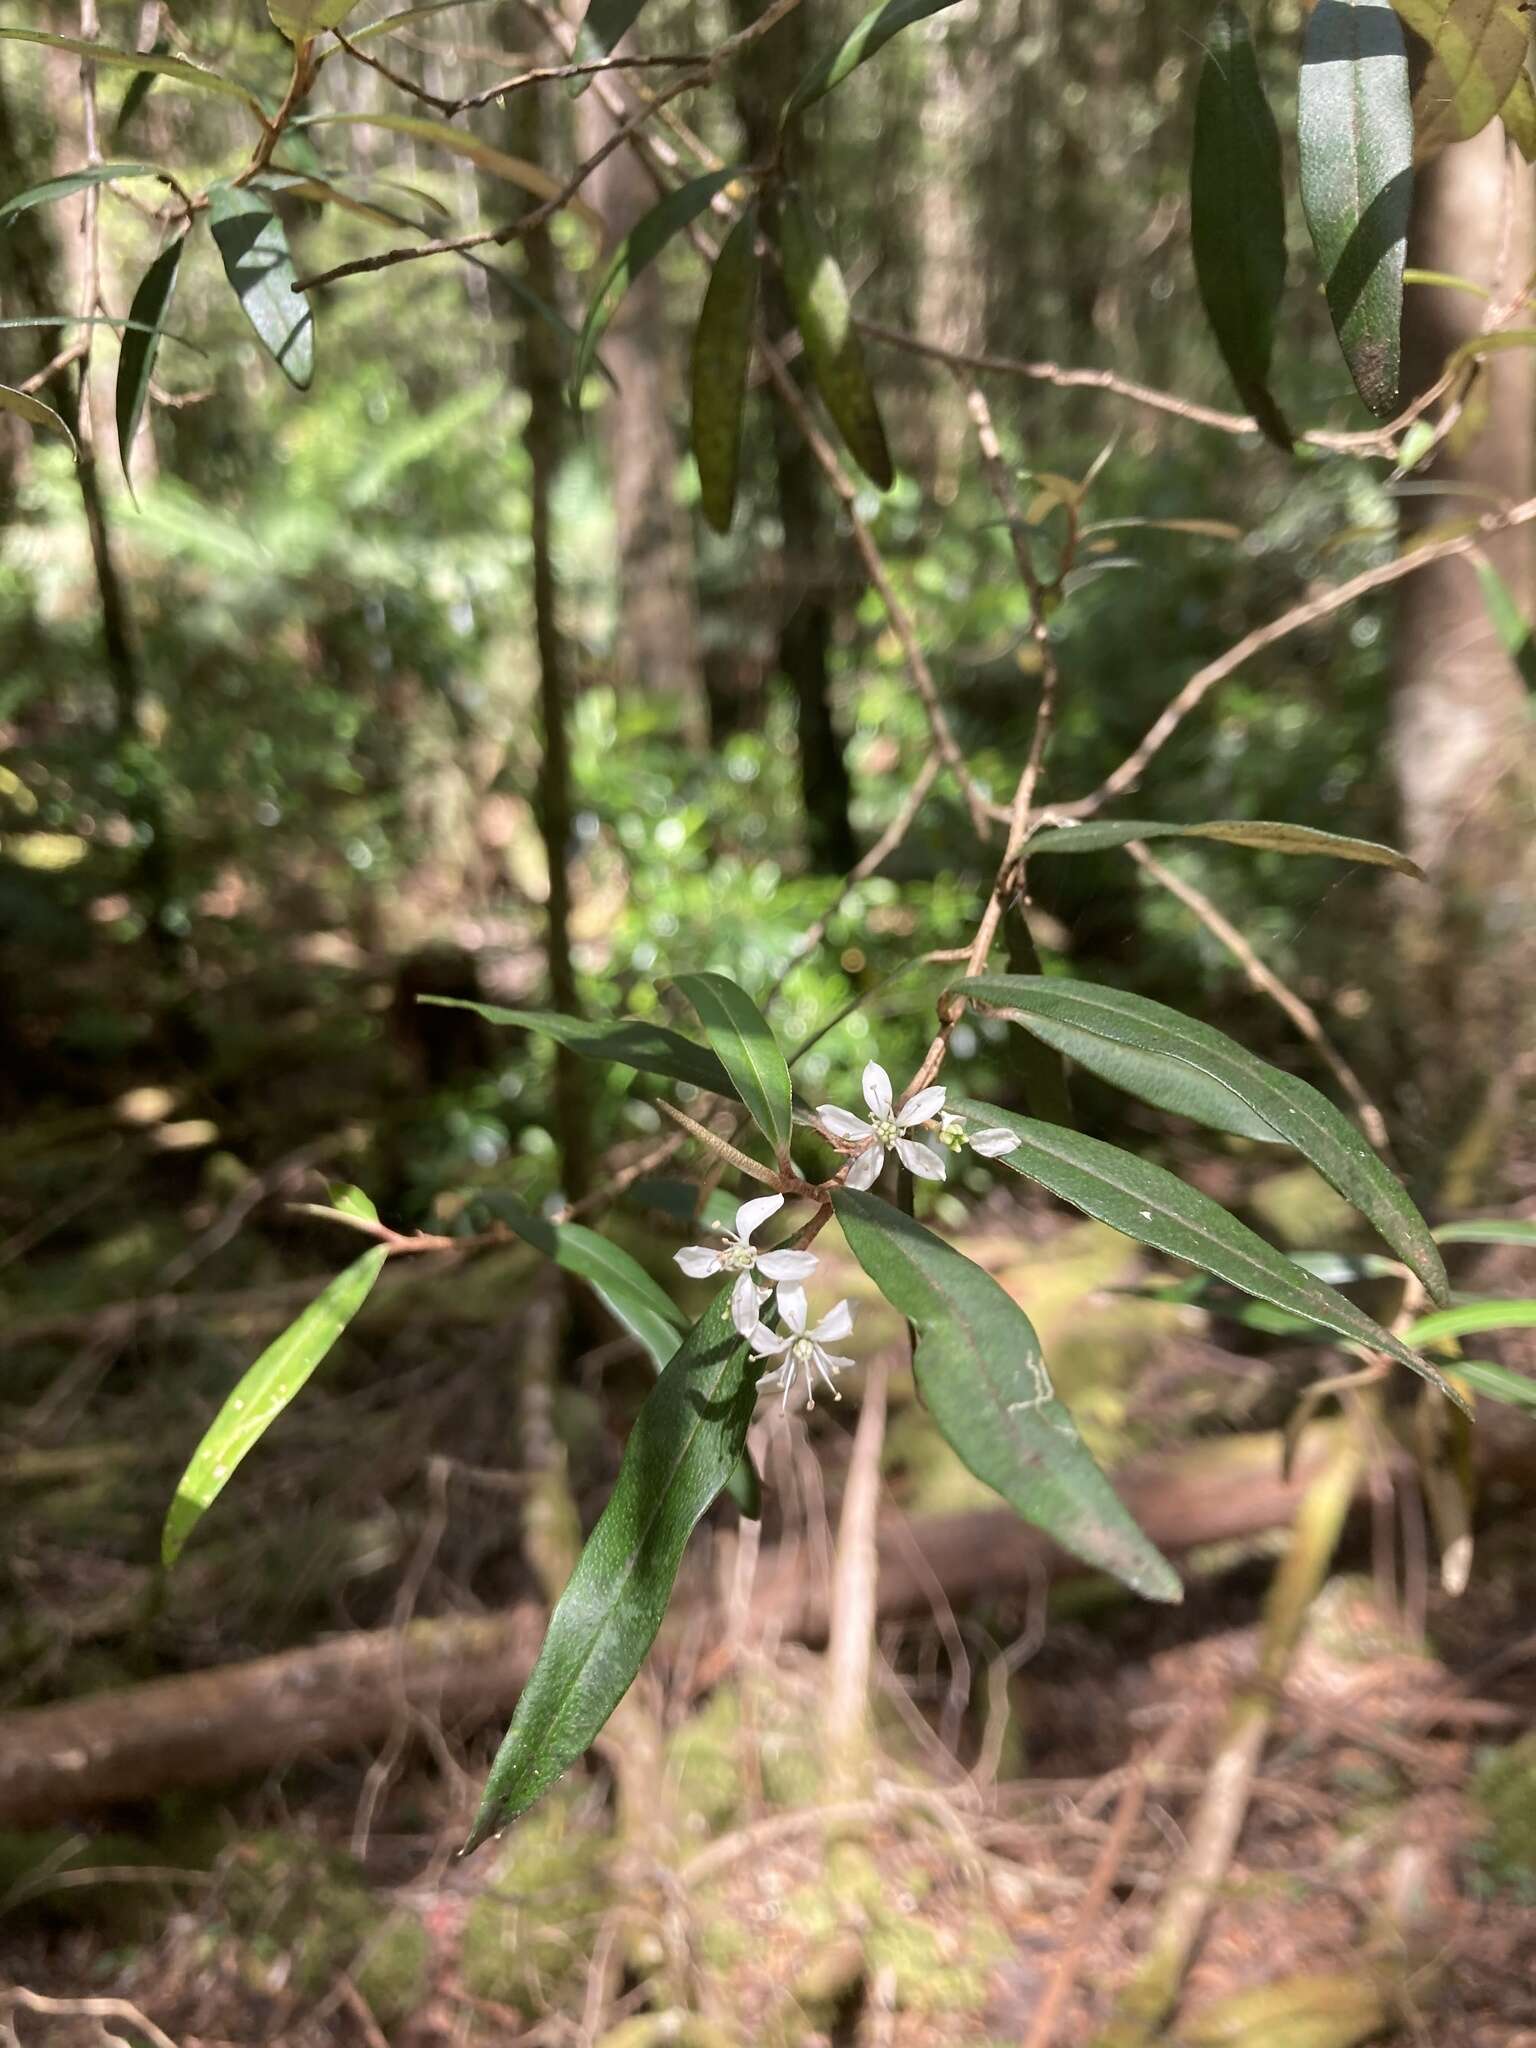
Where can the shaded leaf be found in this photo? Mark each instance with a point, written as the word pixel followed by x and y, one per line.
pixel 515 170
pixel 1488 1230
pixel 687 1440
pixel 141 343
pixel 321 192
pixel 1179 1064
pixel 76 181
pixel 979 1369
pixel 603 27
pixel 1518 114
pixel 139 88
pixel 1237 213
pixel 26 407
pixel 1477 50
pixel 741 1039
pixel 650 1048
pixel 1509 621
pixel 1097 834
pixel 1156 1208
pixel 1496 1382
pixel 1471 1318
pixel 262 1395
pixel 722 354
pixel 638 250
pixel 1355 133
pixel 260 270
pixel 133 60
pixel 871 34
pixel 620 1283
pixel 833 351
pixel 299 20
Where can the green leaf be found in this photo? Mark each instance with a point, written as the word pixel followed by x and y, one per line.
pixel 260 271
pixel 1477 49
pixel 1179 1064
pixel 133 60
pixel 739 1034
pixel 26 407
pixel 515 170
pixel 1497 1381
pixel 1518 114
pixel 1488 1230
pixel 686 1442
pixel 1355 134
pixel 263 1394
pixel 824 316
pixel 1471 1318
pixel 141 344
pixel 722 354
pixel 638 250
pixel 1237 213
pixel 1156 1208
pixel 620 1283
pixel 354 1202
pixel 649 1048
pixel 300 20
pixel 1509 621
pixel 76 181
pixel 979 1370
pixel 1266 837
pixel 872 33
pixel 140 86
pixel 603 27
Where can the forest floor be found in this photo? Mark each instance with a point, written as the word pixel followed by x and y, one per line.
pixel 701 1880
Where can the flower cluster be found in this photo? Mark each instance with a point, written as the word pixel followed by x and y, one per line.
pixel 893 1129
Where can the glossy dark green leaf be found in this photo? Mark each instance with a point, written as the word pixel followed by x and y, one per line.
pixel 638 250
pixel 133 60
pixel 260 270
pixel 623 1286
pixel 141 343
pixel 872 33
pixel 1171 1060
pixel 1264 837
pixel 262 1395
pixel 1355 135
pixel 687 1440
pixel 1237 213
pixel 33 410
pixel 833 351
pixel 76 181
pixel 1156 1208
pixel 1477 49
pixel 603 27
pixel 722 354
pixel 1471 1318
pixel 650 1048
pixel 140 86
pixel 1496 1382
pixel 1509 621
pixel 740 1037
pixel 1488 1230
pixel 980 1372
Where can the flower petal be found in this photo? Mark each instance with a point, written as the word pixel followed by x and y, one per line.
pixel 865 1170
pixel 698 1261
pixel 877 1089
pixel 792 1308
pixel 991 1143
pixel 837 1322
pixel 920 1159
pixel 842 1123
pixel 746 1300
pixel 768 1343
pixel 831 1358
pixel 787 1265
pixel 925 1104
pixel 751 1214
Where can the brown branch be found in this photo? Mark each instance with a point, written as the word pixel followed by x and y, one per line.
pixel 88 2009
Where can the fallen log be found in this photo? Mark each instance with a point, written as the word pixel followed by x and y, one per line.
pixel 214 1727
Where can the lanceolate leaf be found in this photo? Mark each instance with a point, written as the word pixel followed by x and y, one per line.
pixel 722 353
pixel 1471 1318
pixel 1260 834
pixel 1509 621
pixel 686 1442
pixel 141 343
pixel 824 316
pixel 1355 134
pixel 132 60
pixel 650 1048
pixel 620 1283
pixel 872 33
pixel 1156 1208
pixel 639 248
pixel 1237 213
pixel 739 1034
pixel 299 20
pixel 1477 50
pixel 603 26
pixel 260 271
pixel 76 181
pixel 1488 1230
pixel 979 1369
pixel 263 1394
pixel 459 142
pixel 26 407
pixel 1179 1064
pixel 1496 1382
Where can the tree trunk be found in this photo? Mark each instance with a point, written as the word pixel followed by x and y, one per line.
pixel 1463 740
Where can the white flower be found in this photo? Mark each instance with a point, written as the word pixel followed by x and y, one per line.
pixel 888 1128
pixel 738 1255
pixel 991 1143
pixel 802 1350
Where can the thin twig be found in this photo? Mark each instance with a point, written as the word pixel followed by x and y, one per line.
pixel 88 2009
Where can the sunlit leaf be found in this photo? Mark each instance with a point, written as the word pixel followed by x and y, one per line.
pixel 979 1370
pixel 1509 621
pixel 515 170
pixel 300 20
pixel 141 343
pixel 26 407
pixel 133 60
pixel 1237 213
pixel 1518 114
pixel 871 34
pixel 650 1048
pixel 260 270
pixel 1355 134
pixel 833 351
pixel 1496 1382
pixel 1477 49
pixel 76 181
pixel 1096 834
pixel 740 1037
pixel 1172 1060
pixel 722 353
pixel 262 1395
pixel 686 1442
pixel 1488 1230
pixel 1472 1318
